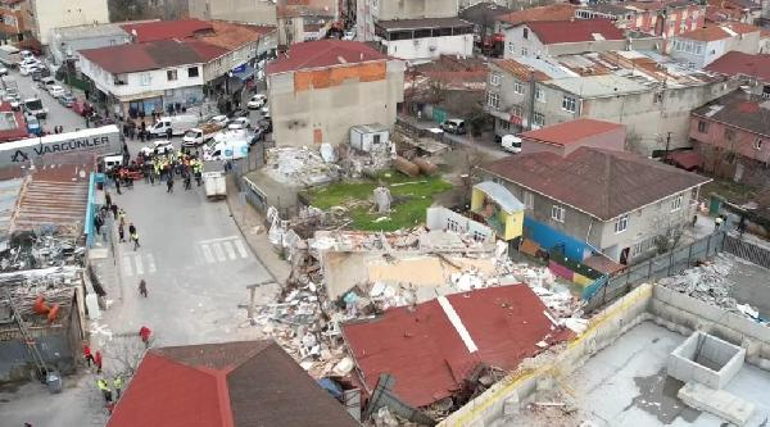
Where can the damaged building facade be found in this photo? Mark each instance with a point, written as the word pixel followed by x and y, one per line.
pixel 319 90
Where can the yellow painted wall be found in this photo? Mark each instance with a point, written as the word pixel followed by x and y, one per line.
pixel 581 280
pixel 514 223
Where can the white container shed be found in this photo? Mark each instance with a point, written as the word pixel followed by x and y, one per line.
pixel 369 137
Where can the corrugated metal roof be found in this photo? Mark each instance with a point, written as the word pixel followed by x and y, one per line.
pixel 428 353
pixel 501 195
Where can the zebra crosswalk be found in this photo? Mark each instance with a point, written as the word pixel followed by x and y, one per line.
pixel 138 264
pixel 225 249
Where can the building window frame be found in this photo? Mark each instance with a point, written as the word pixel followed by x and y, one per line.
pixel 540 94
pixel 538 119
pixel 518 87
pixel 621 224
pixel 703 126
pixel 557 213
pixel 529 200
pixel 493 100
pixel 676 202
pixel 172 75
pixel 569 103
pixel 193 72
pixel 494 79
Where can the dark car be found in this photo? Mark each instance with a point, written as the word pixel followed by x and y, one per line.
pixel 266 125
pixel 67 100
pixel 40 73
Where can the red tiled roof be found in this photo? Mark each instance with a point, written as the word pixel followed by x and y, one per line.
pixel 718 32
pixel 167 30
pixel 739 63
pixel 244 384
pixel 20 131
pixel 553 12
pixel 129 58
pixel 687 160
pixel 580 30
pixel 571 132
pixel 422 349
pixel 602 183
pixel 323 53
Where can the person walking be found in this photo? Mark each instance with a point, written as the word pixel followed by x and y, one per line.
pixel 87 354
pixel 144 334
pixel 114 209
pixel 143 288
pixel 98 361
pixel 135 239
pixel 117 384
pixel 117 184
pixel 187 181
pixel 121 233
pixel 98 222
pixel 107 199
pixel 122 216
pixel 170 183
pixel 105 388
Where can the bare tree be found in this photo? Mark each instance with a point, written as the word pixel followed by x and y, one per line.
pixel 125 355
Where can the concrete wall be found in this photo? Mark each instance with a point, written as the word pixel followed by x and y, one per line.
pixel 430 48
pixel 50 14
pixel 250 11
pixel 386 10
pixel 441 218
pixel 307 116
pixel 62 47
pixel 725 360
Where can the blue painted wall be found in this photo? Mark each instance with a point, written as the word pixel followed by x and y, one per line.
pixel 547 238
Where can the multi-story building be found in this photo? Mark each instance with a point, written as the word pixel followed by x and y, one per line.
pixel 602 201
pixel 652 96
pixel 67 41
pixel 732 136
pixel 754 68
pixel 422 40
pixel 653 18
pixel 14 20
pixel 319 90
pixel 49 14
pixel 542 38
pixel 257 12
pixel 703 46
pixel 370 12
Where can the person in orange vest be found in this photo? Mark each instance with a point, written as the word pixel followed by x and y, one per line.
pixel 98 361
pixel 87 354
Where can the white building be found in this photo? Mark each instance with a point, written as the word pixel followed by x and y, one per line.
pixel 703 46
pixel 50 14
pixel 422 40
pixel 137 79
pixel 553 38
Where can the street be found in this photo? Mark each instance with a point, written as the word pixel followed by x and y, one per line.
pixel 196 265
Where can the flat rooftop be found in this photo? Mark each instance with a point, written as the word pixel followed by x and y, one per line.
pixel 626 385
pixel 599 86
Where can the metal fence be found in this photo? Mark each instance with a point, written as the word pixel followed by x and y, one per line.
pixel 750 252
pixel 670 263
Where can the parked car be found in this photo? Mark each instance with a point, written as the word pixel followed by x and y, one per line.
pixel 13 100
pixel 29 68
pixel 45 83
pixel 56 91
pixel 82 107
pixel 266 124
pixel 511 144
pixel 256 102
pixel 67 100
pixel 239 124
pixel 158 147
pixel 220 121
pixel 40 72
pixel 455 126
pixel 33 125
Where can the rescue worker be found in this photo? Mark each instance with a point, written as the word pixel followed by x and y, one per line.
pixel 117 383
pixel 144 334
pixel 105 388
pixel 87 354
pixel 98 361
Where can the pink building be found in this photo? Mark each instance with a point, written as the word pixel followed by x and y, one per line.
pixel 732 135
pixel 656 18
pixel 564 138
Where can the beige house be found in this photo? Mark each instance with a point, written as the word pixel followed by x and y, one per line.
pixel 319 90
pixel 50 14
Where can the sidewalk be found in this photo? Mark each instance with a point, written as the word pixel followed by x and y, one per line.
pixel 251 223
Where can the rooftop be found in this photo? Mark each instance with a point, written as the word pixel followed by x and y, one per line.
pixel 153 55
pixel 240 384
pixel 739 109
pixel 484 13
pixel 231 36
pixel 554 12
pixel 599 86
pixel 571 132
pixel 743 64
pixel 719 32
pixel 433 347
pixel 602 183
pixel 553 32
pixel 167 30
pixel 520 71
pixel 322 54
pixel 92 30
pixel 413 24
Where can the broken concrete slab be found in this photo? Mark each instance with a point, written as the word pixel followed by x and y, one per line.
pixel 718 402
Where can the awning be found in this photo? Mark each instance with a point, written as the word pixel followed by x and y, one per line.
pixel 244 72
pixel 507 201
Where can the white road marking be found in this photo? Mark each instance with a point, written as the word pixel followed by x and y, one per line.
pixel 127 270
pixel 241 248
pixel 219 239
pixel 207 255
pixel 219 252
pixel 139 266
pixel 150 263
pixel 230 250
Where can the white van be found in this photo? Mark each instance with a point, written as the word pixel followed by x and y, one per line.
pixel 511 144
pixel 111 162
pixel 178 125
pixel 230 145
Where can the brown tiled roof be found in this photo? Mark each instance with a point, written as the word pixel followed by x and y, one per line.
pixel 554 12
pixel 570 132
pixel 239 384
pixel 323 53
pixel 129 58
pixel 602 183
pixel 739 63
pixel 519 70
pixel 717 32
pixel 232 36
pixel 739 109
pixel 582 30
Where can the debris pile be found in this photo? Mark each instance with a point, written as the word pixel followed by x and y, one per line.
pixel 29 290
pixel 38 249
pixel 709 282
pixel 300 166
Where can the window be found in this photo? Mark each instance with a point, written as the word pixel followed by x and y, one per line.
pixel 702 126
pixel 529 200
pixel 758 144
pixel 538 120
pixel 525 33
pixel 729 134
pixel 192 72
pixel 145 79
pixel 452 225
pixel 503 125
pixel 621 224
pixel 493 100
pixel 557 213
pixel 524 51
pixel 539 94
pixel 518 87
pixel 171 75
pixel 676 204
pixel 494 79
pixel 517 111
pixel 511 47
pixel 479 236
pixel 568 103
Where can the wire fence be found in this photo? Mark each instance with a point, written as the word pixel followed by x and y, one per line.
pixel 667 264
pixel 751 252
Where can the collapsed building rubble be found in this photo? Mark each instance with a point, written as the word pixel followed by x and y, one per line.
pixel 710 282
pixel 43 247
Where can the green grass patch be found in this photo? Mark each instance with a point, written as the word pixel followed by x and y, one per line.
pixel 732 191
pixel 412 196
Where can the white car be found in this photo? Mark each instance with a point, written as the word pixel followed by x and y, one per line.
pixel 3 71
pixel 158 147
pixel 220 121
pixel 27 69
pixel 241 123
pixel 56 91
pixel 256 102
